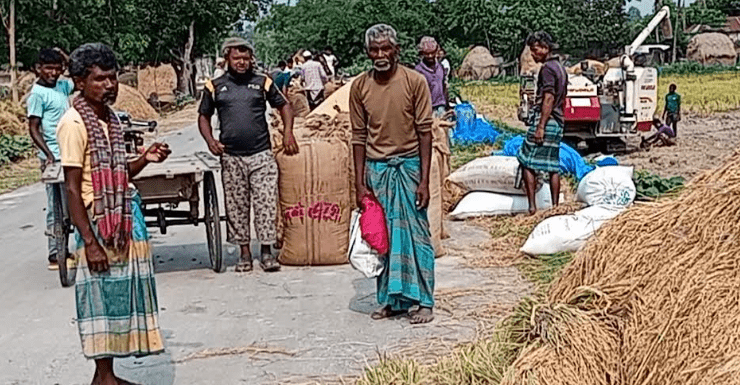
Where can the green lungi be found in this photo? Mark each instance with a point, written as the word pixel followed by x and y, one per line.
pixel 545 158
pixel 117 309
pixel 408 274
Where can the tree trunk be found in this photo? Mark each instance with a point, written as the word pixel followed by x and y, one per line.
pixel 11 38
pixel 185 76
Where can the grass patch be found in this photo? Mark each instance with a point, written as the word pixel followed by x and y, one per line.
pixel 544 269
pixel 462 154
pixel 702 94
pixel 19 174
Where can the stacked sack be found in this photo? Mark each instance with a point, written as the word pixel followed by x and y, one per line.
pixel 491 184
pixel 315 192
pixel 323 174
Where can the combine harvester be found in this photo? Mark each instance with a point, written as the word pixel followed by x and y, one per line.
pixel 601 111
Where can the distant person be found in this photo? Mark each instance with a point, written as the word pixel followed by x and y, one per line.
pixel 664 135
pixel 47 102
pixel 391 116
pixel 282 80
pixel 331 61
pixel 540 151
pixel 248 169
pixel 434 74
pixel 116 296
pixel 278 70
pixel 314 76
pixel 442 57
pixel 672 110
pixel 321 59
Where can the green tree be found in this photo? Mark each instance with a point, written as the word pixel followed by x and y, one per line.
pixel 139 31
pixel 341 24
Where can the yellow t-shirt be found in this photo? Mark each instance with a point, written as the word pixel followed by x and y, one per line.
pixel 72 138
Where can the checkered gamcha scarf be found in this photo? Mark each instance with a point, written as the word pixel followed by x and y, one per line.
pixel 112 198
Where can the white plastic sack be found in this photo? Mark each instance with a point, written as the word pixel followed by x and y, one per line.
pixel 610 185
pixel 480 203
pixel 492 174
pixel 361 256
pixel 568 232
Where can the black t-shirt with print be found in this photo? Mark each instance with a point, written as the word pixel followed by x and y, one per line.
pixel 241 102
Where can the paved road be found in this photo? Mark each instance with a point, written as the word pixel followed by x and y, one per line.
pixel 219 328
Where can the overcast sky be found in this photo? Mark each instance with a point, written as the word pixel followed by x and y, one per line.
pixel 646 6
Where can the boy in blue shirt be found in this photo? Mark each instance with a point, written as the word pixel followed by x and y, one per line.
pixel 46 104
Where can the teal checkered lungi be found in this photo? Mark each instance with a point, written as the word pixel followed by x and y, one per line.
pixel 545 158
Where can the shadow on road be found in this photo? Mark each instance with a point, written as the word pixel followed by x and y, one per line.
pixel 174 258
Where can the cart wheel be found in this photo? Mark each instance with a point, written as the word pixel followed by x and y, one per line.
pixel 61 234
pixel 213 222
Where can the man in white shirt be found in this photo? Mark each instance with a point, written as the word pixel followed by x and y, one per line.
pixel 331 60
pixel 315 77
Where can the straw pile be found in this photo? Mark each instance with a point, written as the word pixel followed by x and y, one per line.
pixel 711 48
pixel 161 80
pixel 660 284
pixel 133 102
pixel 527 65
pixel 12 118
pixel 479 64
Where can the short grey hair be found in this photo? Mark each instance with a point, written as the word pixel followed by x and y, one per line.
pixel 380 32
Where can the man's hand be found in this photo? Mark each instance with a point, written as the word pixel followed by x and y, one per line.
pixel 290 144
pixel 216 147
pixel 97 259
pixel 361 192
pixel 422 196
pixel 539 136
pixel 157 153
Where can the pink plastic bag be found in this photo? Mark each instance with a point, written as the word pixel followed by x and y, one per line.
pixel 373 225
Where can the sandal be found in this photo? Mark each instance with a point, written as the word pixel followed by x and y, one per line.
pixel 244 266
pixel 269 263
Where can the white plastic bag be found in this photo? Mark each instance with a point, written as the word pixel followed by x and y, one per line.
pixel 568 232
pixel 609 185
pixel 480 203
pixel 361 256
pixel 491 174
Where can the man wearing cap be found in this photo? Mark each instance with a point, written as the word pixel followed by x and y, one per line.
pixel 315 76
pixel 434 73
pixel 249 170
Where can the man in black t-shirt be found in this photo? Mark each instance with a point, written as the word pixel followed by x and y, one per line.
pixel 249 170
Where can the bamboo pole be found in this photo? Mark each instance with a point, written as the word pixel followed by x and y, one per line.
pixel 11 38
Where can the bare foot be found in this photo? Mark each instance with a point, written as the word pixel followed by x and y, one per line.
pixel 422 316
pixel 385 312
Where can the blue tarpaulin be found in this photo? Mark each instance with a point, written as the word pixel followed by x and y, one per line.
pixel 470 128
pixel 571 161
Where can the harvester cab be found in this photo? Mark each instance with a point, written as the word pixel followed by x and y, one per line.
pixel 604 107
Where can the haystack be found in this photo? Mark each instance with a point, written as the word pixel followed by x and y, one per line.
pixel 665 280
pixel 133 102
pixel 161 80
pixel 711 48
pixel 527 65
pixel 13 119
pixel 479 64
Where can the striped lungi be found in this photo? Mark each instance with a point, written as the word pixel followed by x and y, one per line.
pixel 408 274
pixel 117 309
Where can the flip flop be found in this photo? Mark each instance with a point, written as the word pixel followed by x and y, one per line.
pixel 244 266
pixel 269 263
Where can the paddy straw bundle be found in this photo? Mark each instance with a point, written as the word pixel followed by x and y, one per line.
pixel 663 281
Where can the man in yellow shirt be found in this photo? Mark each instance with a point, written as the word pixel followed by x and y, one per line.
pixel 115 289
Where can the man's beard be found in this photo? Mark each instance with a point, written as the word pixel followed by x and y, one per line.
pixel 382 65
